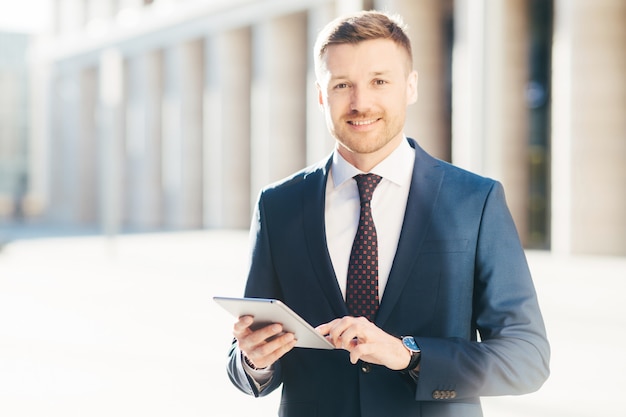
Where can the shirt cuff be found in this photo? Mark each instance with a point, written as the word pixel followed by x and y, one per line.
pixel 260 377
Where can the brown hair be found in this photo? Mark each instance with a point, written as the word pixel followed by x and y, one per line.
pixel 359 27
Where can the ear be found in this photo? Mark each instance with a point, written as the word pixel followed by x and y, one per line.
pixel 320 95
pixel 411 88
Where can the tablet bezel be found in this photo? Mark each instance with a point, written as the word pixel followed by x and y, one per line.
pixel 266 311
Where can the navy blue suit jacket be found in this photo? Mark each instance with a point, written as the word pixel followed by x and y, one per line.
pixel 459 284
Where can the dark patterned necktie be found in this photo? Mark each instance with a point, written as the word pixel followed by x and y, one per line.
pixel 362 282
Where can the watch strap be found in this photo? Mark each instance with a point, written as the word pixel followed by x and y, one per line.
pixel 415 360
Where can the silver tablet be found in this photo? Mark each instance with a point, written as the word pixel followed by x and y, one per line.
pixel 266 311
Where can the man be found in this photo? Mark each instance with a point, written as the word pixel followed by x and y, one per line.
pixel 454 314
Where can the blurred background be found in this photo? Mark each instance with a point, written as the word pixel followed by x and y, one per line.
pixel 138 115
pixel 136 134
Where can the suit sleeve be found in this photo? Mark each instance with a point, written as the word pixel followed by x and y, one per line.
pixel 511 355
pixel 261 283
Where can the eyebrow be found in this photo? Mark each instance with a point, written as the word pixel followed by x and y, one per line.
pixel 372 74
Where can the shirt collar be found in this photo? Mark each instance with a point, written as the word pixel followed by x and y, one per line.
pixel 397 167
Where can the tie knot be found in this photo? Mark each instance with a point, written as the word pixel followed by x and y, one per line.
pixel 367 184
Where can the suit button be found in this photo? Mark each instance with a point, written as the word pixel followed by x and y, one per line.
pixel 366 367
pixel 444 394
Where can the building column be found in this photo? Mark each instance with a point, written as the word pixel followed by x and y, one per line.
pixel 66 127
pixel 490 115
pixel 227 130
pixel 14 126
pixel 278 99
pixel 86 189
pixel 319 142
pixel 41 122
pixel 52 176
pixel 589 146
pixel 182 135
pixel 192 133
pixel 111 141
pixel 73 186
pixel 507 115
pixel 143 147
pixel 428 120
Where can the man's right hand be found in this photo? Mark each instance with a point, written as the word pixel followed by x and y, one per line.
pixel 264 346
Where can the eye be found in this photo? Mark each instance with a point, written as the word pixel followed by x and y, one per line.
pixel 341 86
pixel 380 82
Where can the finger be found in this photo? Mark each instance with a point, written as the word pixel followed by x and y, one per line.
pixel 324 329
pixel 338 327
pixel 249 340
pixel 275 345
pixel 267 353
pixel 357 350
pixel 261 335
pixel 277 354
pixel 241 325
pixel 347 339
pixel 350 331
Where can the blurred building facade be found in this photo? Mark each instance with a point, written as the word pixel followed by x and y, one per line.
pixel 14 130
pixel 172 114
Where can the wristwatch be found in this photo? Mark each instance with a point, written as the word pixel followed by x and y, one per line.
pixel 416 353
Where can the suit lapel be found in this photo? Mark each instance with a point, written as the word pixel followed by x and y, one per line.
pixel 313 200
pixel 425 184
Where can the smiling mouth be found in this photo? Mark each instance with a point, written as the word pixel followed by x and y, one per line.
pixel 362 122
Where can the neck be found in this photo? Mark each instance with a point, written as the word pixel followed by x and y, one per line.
pixel 365 162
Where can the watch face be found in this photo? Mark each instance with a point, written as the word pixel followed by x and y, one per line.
pixel 410 343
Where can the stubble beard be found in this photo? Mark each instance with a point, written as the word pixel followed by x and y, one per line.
pixel 367 142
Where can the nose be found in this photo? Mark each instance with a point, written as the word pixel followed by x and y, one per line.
pixel 359 99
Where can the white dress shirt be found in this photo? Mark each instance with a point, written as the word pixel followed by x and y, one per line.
pixel 388 207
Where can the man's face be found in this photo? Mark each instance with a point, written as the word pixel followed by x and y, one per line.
pixel 364 89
